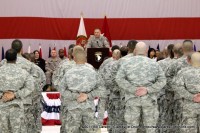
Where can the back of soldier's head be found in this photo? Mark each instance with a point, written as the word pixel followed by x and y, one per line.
pixel 17 45
pixel 124 50
pixel 115 47
pixel 187 46
pixel 131 45
pixel 116 54
pixel 77 49
pixel 32 57
pixel 11 55
pixel 195 59
pixel 70 53
pixel 170 50
pixel 71 46
pixel 178 49
pixel 26 56
pixel 80 57
pixel 141 49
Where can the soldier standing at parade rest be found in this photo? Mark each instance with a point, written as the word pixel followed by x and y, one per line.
pixel 140 79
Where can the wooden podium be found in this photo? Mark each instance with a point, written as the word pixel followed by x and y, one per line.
pixel 95 56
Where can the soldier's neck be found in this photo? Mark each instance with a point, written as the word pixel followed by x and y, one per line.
pixel 80 62
pixel 196 65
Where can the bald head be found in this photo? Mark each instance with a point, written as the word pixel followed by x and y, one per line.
pixel 178 49
pixel 141 49
pixel 80 57
pixel 195 59
pixel 116 54
pixel 187 47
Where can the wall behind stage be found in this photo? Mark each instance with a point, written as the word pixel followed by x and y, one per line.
pixel 50 22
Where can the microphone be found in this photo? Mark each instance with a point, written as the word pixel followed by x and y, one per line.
pixel 98 43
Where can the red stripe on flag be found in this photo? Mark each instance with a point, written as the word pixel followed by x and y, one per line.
pixel 53 95
pixel 120 29
pixel 50 122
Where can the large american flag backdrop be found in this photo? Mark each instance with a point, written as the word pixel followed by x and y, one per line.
pixel 55 22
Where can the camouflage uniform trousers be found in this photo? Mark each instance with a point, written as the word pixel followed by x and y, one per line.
pixel 48 77
pixel 79 121
pixel 133 118
pixel 190 117
pixel 37 110
pixel 176 116
pixel 12 120
pixel 166 111
pixel 29 119
pixel 115 115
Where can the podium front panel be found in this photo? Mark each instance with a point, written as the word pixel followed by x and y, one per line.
pixel 96 56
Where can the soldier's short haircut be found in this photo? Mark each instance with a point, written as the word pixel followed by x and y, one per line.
pixel 77 49
pixel 131 45
pixel 170 50
pixel 80 56
pixel 115 47
pixel 116 53
pixel 26 56
pixel 60 50
pixel 188 45
pixel 97 29
pixel 124 51
pixel 178 49
pixel 32 57
pixel 71 46
pixel 11 55
pixel 17 45
pixel 187 41
pixel 70 52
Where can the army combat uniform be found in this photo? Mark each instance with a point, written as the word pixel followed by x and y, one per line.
pixel 140 71
pixel 13 78
pixel 187 85
pixel 51 65
pixel 79 117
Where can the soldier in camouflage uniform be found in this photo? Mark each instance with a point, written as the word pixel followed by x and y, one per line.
pixel 113 103
pixel 188 91
pixel 39 82
pixel 171 73
pixel 140 79
pixel 165 97
pixel 116 99
pixel 51 65
pixel 97 40
pixel 64 66
pixel 15 90
pixel 78 93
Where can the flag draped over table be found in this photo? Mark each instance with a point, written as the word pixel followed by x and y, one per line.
pixel 40 51
pixel 51 108
pixel 81 35
pixel 2 53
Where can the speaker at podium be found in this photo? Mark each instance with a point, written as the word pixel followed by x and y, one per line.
pixel 96 56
